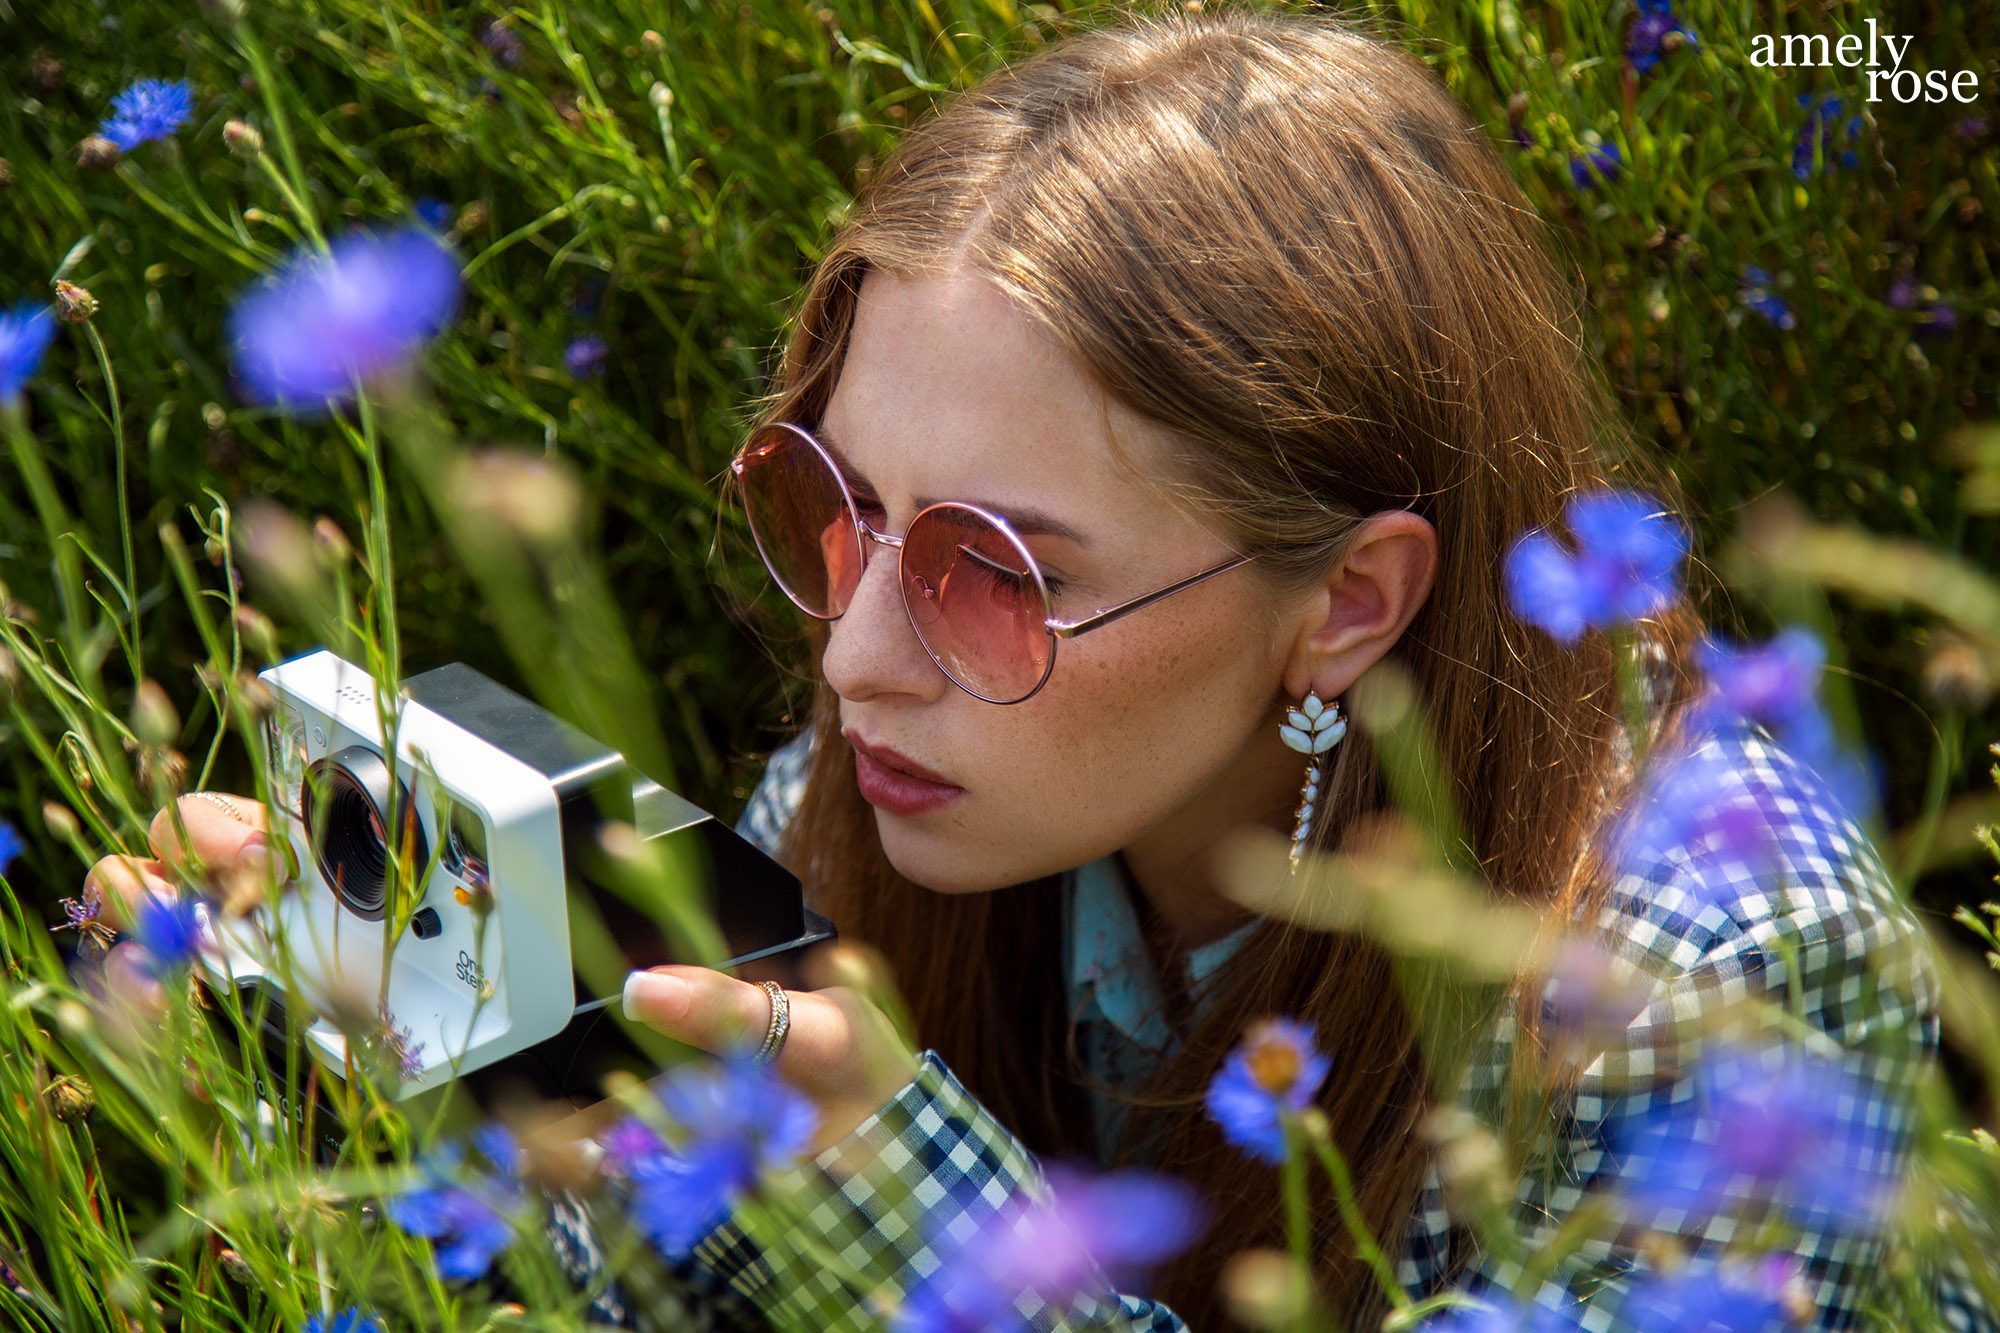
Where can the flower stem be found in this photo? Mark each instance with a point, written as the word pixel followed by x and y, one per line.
pixel 1357 1225
pixel 124 509
pixel 1298 1234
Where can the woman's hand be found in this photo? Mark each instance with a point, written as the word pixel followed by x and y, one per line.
pixel 224 845
pixel 842 1051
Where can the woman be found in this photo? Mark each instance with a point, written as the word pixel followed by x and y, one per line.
pixel 1246 311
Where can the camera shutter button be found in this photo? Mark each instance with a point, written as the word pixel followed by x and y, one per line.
pixel 426 924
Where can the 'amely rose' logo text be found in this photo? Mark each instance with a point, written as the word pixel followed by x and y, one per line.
pixel 1818 49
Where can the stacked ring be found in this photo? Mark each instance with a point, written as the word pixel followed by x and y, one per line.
pixel 781 1023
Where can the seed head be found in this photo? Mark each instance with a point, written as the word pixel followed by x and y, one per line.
pixel 75 304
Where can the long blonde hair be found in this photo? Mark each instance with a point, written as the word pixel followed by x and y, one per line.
pixel 1282 241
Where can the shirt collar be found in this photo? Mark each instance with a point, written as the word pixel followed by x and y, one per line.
pixel 1109 966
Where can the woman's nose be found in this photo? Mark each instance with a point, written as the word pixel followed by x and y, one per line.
pixel 873 648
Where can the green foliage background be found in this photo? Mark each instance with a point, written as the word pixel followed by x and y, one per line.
pixel 663 174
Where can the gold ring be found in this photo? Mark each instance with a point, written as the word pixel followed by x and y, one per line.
pixel 781 1022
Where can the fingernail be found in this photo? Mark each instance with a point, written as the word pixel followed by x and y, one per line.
pixel 258 854
pixel 652 993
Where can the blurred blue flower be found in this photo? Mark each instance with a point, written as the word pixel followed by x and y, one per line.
pixel 1766 1128
pixel 1275 1068
pixel 1121 1224
pixel 585 356
pixel 1731 1297
pixel 362 311
pixel 1777 684
pixel 1650 29
pixel 172 931
pixel 349 1320
pixel 1695 806
pixel 1757 294
pixel 470 1211
pixel 25 333
pixel 1821 114
pixel 436 213
pixel 1940 317
pixel 1604 160
pixel 1626 566
pixel 149 109
pixel 502 41
pixel 741 1120
pixel 11 846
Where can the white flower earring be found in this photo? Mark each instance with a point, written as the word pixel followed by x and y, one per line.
pixel 1313 728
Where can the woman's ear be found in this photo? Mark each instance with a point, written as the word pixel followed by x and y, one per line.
pixel 1368 598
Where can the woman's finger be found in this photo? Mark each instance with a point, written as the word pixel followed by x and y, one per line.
pixel 123 882
pixel 717 1012
pixel 222 843
pixel 130 979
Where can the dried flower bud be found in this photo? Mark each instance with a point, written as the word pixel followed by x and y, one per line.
pixel 153 715
pixel 473 216
pixel 1957 675
pixel 6 172
pixel 525 492
pixel 1265 1288
pixel 46 74
pixel 243 139
pixel 69 1099
pixel 236 1266
pixel 59 821
pixel 334 548
pixel 97 153
pixel 652 42
pixel 162 767
pixel 258 629
pixel 258 700
pixel 75 304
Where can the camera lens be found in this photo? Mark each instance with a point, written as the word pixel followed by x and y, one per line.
pixel 346 808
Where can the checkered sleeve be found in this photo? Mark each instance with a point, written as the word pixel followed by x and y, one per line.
pixel 1823 954
pixel 876 1213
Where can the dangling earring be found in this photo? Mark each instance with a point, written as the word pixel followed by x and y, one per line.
pixel 1312 729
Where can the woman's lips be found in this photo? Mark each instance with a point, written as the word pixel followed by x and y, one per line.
pixel 899 793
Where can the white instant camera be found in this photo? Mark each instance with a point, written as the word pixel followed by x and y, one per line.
pixel 512 799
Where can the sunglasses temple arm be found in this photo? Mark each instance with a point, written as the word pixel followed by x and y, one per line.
pixel 1070 629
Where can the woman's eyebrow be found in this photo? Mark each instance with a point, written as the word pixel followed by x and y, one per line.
pixel 1027 522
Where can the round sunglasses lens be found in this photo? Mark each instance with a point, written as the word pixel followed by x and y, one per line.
pixel 976 603
pixel 800 520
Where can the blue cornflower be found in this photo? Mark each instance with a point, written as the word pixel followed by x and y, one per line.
pixel 585 356
pixel 436 213
pixel 362 311
pixel 473 1218
pixel 1821 113
pixel 1650 29
pixel 1765 1128
pixel 1777 684
pixel 1757 294
pixel 1276 1068
pixel 350 1320
pixel 1121 1224
pixel 740 1119
pixel 173 931
pixel 1940 319
pixel 11 845
pixel 25 333
pixel 149 109
pixel 1604 160
pixel 1626 566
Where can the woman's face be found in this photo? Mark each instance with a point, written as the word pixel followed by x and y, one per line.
pixel 1159 724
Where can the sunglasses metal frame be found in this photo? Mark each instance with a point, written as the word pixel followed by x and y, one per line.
pixel 1058 630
